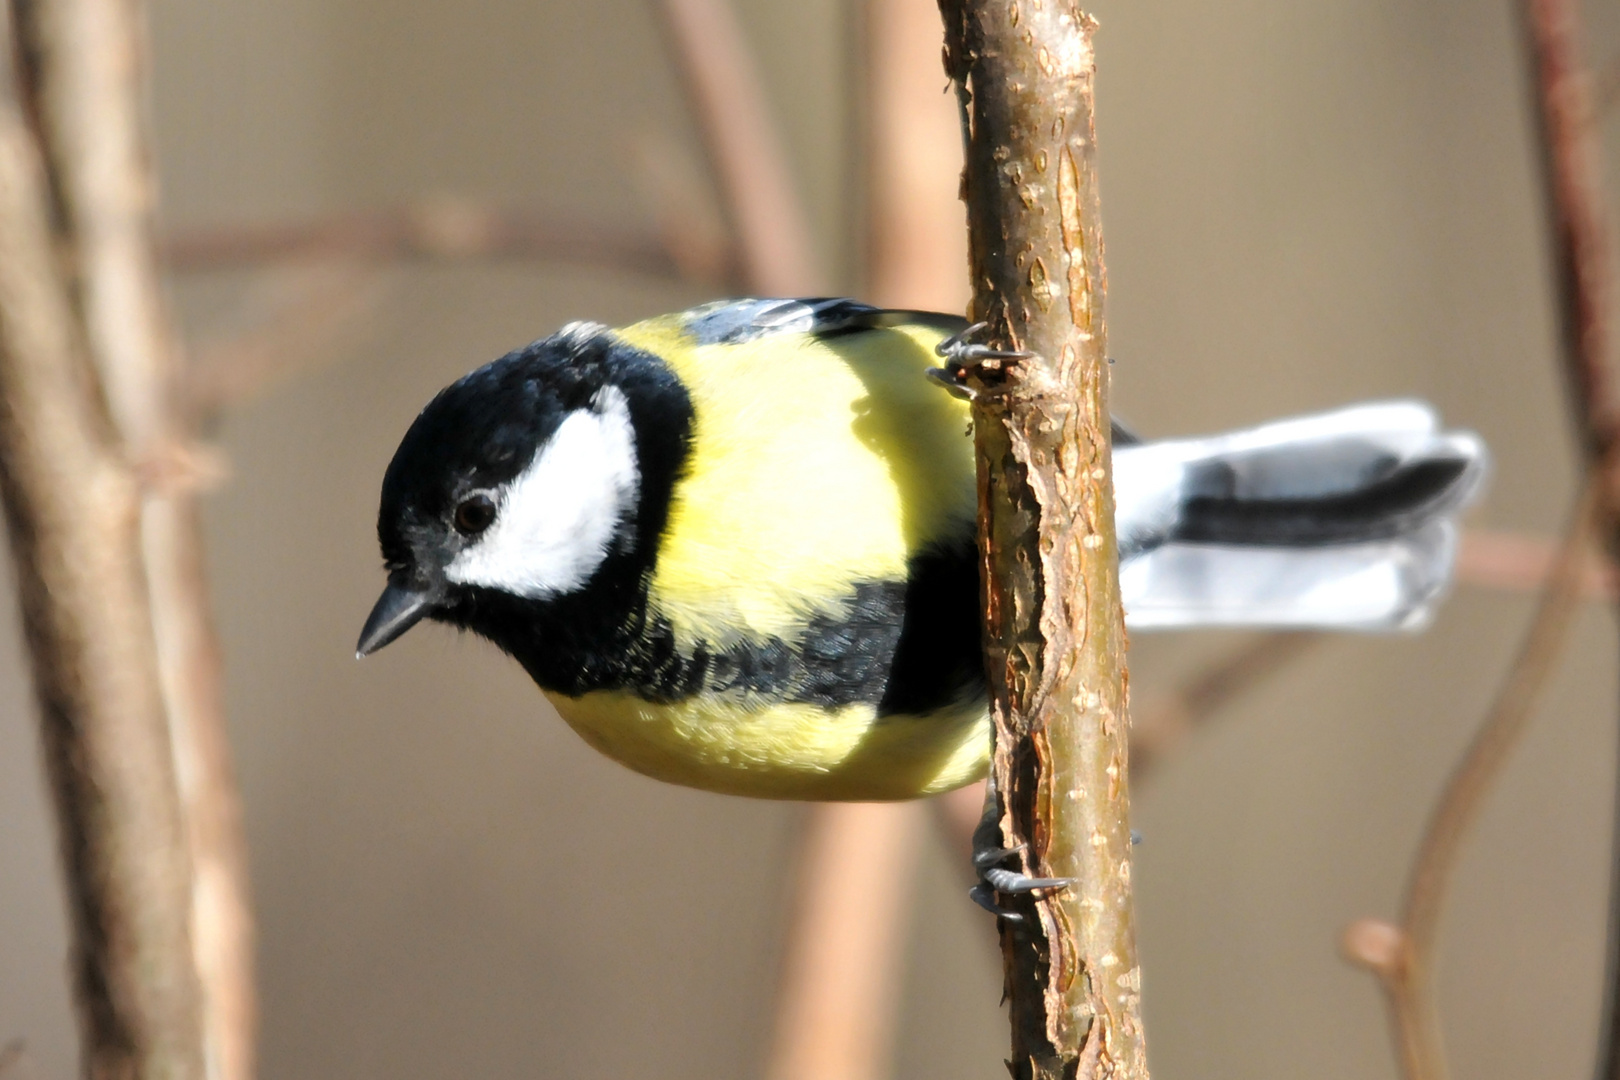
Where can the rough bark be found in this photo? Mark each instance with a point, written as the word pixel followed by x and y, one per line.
pixel 1055 639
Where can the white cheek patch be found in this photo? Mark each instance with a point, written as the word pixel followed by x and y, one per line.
pixel 556 521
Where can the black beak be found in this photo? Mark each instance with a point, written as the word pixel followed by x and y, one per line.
pixel 397 611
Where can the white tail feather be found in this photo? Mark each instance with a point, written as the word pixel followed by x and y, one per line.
pixel 1381 582
pixel 1385 585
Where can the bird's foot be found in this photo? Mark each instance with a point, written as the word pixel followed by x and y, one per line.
pixel 988 857
pixel 967 359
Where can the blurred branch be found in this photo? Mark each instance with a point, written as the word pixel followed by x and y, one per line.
pixel 684 205
pixel 1606 89
pixel 440 230
pixel 1054 631
pixel 432 229
pixel 1580 233
pixel 1583 271
pixel 728 100
pixel 13 1060
pixel 916 235
pixel 1160 725
pixel 311 312
pixel 72 508
pixel 1514 562
pixel 444 229
pixel 841 970
pixel 1402 956
pixel 81 67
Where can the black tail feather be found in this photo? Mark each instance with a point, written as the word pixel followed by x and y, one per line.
pixel 1393 504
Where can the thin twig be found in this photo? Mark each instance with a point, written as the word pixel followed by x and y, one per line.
pixel 1516 562
pixel 1584 273
pixel 81 74
pixel 1403 955
pixel 1510 562
pixel 1575 208
pixel 313 313
pixel 1162 723
pixel 1054 630
pixel 444 229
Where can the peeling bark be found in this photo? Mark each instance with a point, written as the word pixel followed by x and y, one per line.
pixel 1055 638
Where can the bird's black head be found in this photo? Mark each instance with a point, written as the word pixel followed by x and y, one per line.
pixel 520 482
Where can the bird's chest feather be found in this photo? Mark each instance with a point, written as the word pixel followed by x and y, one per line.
pixel 784 750
pixel 805 633
pixel 815 467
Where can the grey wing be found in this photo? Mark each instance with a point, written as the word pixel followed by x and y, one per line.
pixel 734 322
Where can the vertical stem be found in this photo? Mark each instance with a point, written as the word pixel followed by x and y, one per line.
pixel 81 67
pixel 72 508
pixel 1584 275
pixel 916 249
pixel 749 162
pixel 839 991
pixel 1055 639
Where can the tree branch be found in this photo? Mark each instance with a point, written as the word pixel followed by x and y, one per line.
pixel 430 229
pixel 1583 270
pixel 1053 625
pixel 81 67
pixel 1403 956
pixel 728 100
pixel 72 509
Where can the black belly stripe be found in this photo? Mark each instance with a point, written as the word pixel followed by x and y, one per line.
pixel 903 647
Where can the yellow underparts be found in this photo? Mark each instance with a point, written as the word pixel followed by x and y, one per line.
pixel 785 750
pixel 815 464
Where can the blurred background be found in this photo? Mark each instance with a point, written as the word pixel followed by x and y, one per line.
pixel 1304 204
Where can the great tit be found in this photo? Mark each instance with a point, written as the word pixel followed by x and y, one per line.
pixel 735 546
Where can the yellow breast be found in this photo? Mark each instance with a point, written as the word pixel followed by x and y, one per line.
pixel 815 464
pixel 775 750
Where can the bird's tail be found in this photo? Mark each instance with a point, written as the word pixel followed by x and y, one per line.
pixel 1343 520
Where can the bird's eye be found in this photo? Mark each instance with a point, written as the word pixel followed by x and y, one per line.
pixel 474 514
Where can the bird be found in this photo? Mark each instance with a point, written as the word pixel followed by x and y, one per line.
pixel 735 546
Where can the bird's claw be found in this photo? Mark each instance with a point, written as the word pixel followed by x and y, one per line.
pixel 988 855
pixel 996 879
pixel 964 356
